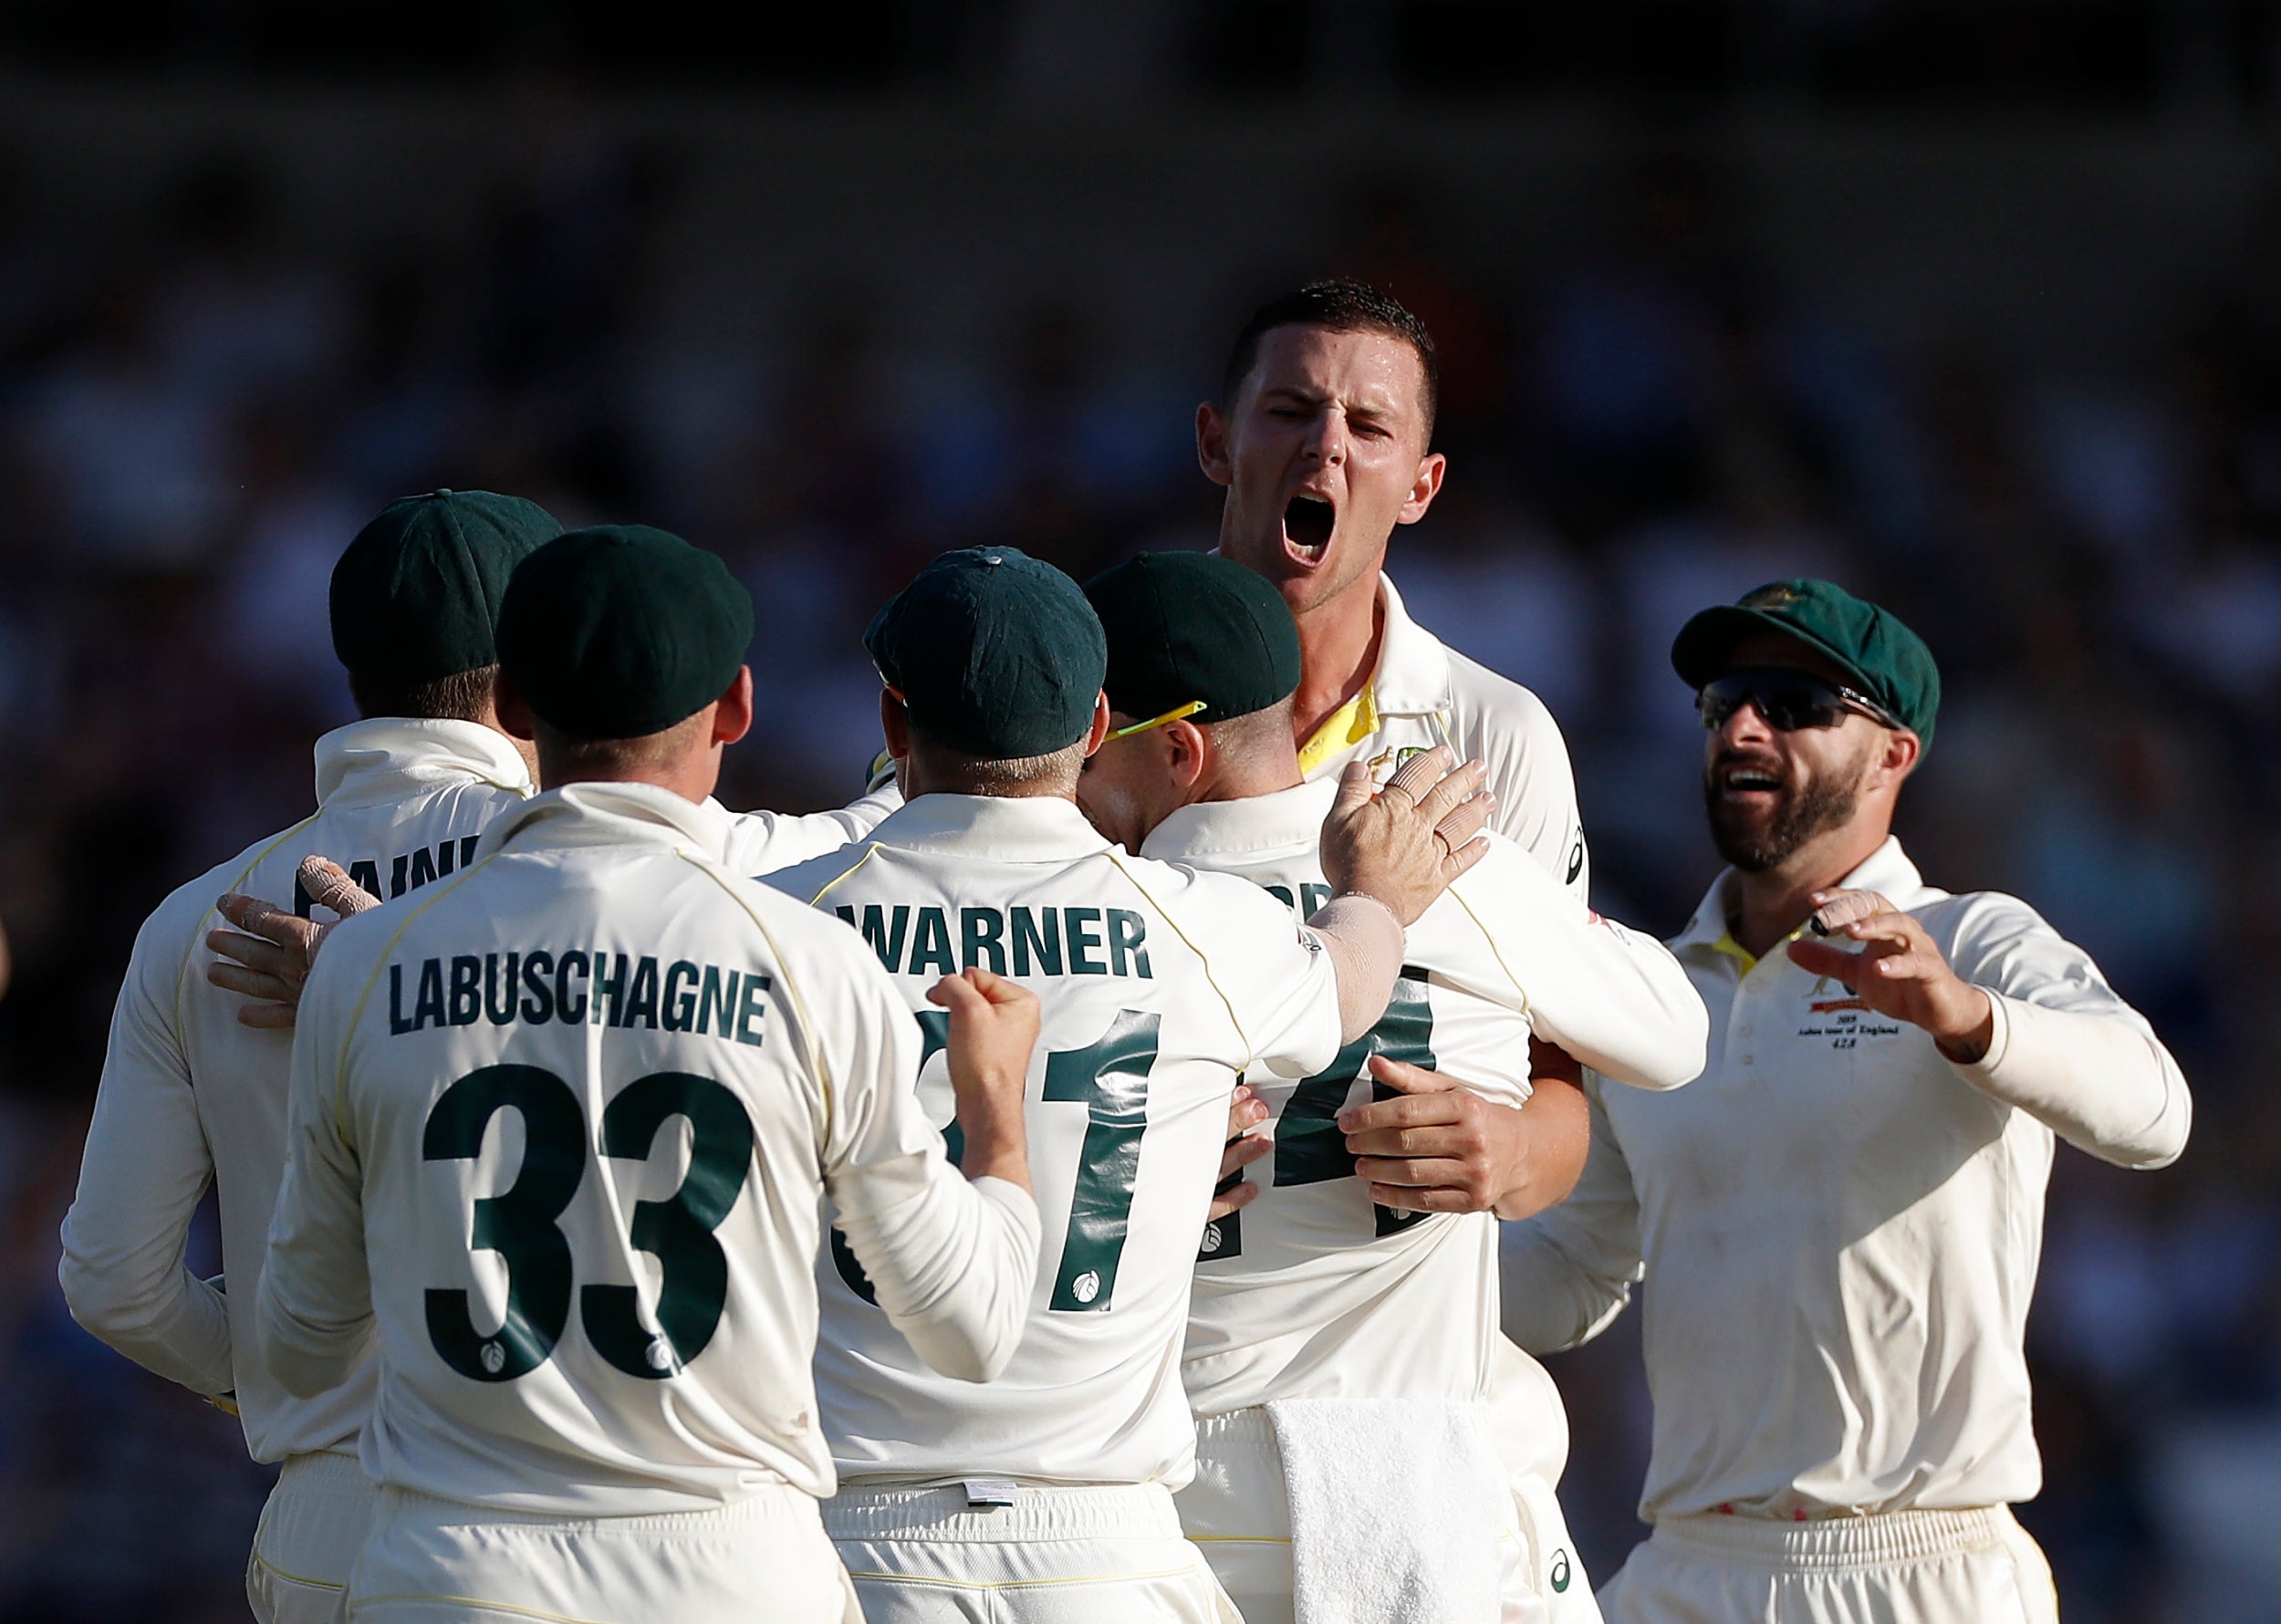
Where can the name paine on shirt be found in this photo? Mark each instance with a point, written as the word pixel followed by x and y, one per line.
pixel 1008 941
pixel 576 987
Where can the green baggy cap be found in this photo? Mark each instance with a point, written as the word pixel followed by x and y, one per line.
pixel 1886 659
pixel 621 630
pixel 1194 626
pixel 995 653
pixel 417 594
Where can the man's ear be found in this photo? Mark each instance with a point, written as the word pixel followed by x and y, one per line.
pixel 1099 730
pixel 1903 751
pixel 1424 488
pixel 733 712
pixel 1189 750
pixel 1212 453
pixel 515 717
pixel 894 724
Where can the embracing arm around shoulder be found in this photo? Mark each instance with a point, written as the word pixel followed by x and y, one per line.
pixel 2024 1016
pixel 1613 998
pixel 145 1167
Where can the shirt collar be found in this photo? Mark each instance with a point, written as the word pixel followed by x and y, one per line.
pixel 1035 828
pixel 1280 818
pixel 1412 678
pixel 1887 871
pixel 610 815
pixel 379 758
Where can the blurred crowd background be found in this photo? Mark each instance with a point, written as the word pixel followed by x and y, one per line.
pixel 1976 307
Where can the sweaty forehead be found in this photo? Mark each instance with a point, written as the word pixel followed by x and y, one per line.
pixel 1776 648
pixel 1364 369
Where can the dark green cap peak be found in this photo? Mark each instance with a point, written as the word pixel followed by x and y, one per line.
pixel 1885 659
pixel 618 631
pixel 1194 626
pixel 996 654
pixel 417 594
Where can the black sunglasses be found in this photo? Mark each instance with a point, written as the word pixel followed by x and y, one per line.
pixel 1788 699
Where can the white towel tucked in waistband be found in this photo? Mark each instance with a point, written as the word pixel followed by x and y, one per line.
pixel 1396 1506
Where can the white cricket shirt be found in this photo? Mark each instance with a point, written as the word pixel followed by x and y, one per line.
pixel 191 1099
pixel 1160 985
pixel 1840 1227
pixel 579 1108
pixel 1311 1291
pixel 1423 694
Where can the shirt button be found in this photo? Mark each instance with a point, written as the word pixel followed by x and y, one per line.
pixel 1748 1060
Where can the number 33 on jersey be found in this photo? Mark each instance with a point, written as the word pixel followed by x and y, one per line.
pixel 575 1111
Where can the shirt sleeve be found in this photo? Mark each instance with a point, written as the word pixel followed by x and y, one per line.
pixel 145 1167
pixel 762 841
pixel 954 1261
pixel 1567 1272
pixel 2066 1049
pixel 314 1306
pixel 1614 998
pixel 1513 735
pixel 1273 975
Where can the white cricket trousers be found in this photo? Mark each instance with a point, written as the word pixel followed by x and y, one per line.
pixel 1894 1567
pixel 1237 1510
pixel 311 1529
pixel 1104 1554
pixel 434 1561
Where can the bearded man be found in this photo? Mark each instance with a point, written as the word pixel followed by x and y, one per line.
pixel 1838 1224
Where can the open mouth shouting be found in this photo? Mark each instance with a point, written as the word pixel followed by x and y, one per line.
pixel 1307 522
pixel 1746 783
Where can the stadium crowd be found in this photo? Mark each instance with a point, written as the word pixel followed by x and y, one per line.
pixel 196 414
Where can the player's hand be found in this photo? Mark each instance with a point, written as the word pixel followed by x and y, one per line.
pixel 1439 1147
pixel 993 1032
pixel 1898 972
pixel 1246 1112
pixel 1404 844
pixel 271 962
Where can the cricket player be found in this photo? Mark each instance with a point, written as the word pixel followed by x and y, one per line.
pixel 192 1097
pixel 1322 434
pixel 1361 1340
pixel 1047 1495
pixel 1839 1222
pixel 560 1130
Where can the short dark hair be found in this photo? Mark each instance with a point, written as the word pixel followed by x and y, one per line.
pixel 462 696
pixel 1336 305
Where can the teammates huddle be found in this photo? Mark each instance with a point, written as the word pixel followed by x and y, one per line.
pixel 655 1212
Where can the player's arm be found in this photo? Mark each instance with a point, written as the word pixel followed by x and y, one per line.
pixel 1437 1146
pixel 144 1170
pixel 1569 1271
pixel 1388 856
pixel 2026 1019
pixel 762 842
pixel 267 959
pixel 314 1309
pixel 1611 998
pixel 951 1253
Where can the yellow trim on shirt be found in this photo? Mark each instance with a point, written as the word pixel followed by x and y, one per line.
pixel 809 1032
pixel 1346 727
pixel 1202 958
pixel 1734 950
